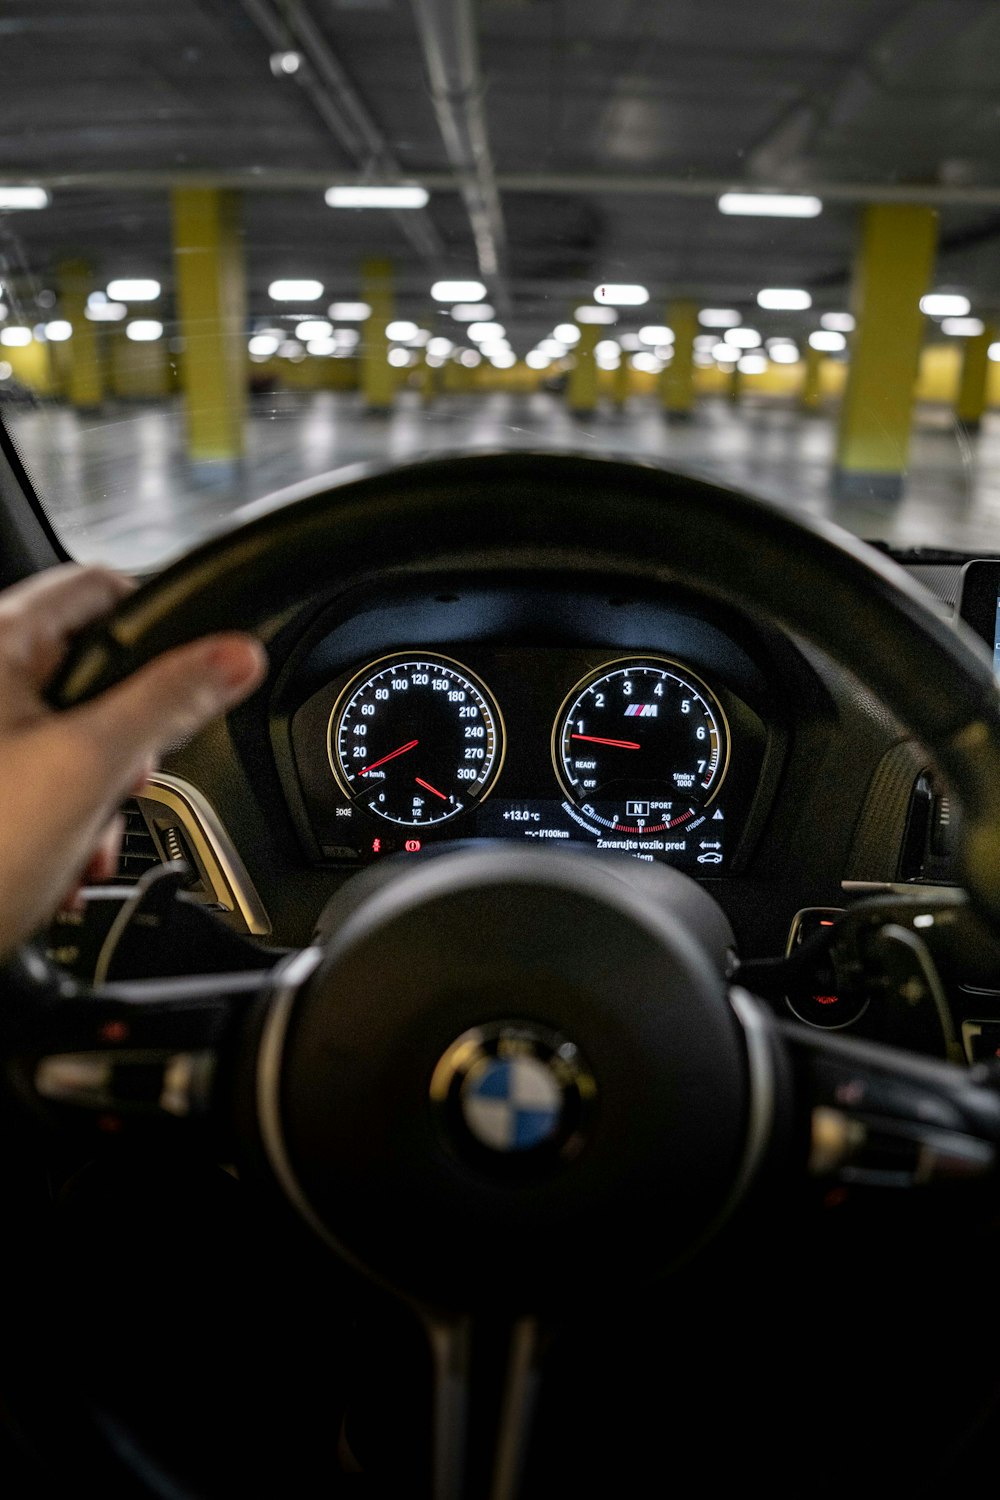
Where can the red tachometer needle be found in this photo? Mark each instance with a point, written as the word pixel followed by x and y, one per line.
pixel 597 739
pixel 430 788
pixel 391 756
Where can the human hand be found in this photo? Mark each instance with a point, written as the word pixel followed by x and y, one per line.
pixel 63 775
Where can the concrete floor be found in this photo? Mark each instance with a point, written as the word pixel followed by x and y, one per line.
pixel 119 488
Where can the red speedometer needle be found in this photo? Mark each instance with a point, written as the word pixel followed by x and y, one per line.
pixel 597 739
pixel 430 788
pixel 391 756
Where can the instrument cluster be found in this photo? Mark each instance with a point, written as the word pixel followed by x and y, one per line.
pixel 638 753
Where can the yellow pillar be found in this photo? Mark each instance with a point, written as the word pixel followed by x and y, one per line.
pixel 139 371
pixel 892 273
pixel 378 378
pixel 84 374
pixel 582 387
pixel 211 305
pixel 972 386
pixel 734 389
pixel 678 377
pixel 811 397
pixel 620 382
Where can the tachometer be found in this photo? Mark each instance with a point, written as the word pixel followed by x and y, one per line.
pixel 416 739
pixel 641 746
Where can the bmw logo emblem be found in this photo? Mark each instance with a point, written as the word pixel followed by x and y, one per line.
pixel 514 1091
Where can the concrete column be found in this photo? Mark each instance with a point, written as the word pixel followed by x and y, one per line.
pixel 811 396
pixel 678 377
pixel 892 272
pixel 84 375
pixel 211 306
pixel 620 382
pixel 582 388
pixel 971 401
pixel 378 378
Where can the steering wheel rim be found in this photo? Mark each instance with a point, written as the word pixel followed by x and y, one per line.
pixel 555 510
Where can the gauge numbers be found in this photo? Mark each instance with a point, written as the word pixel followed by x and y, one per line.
pixel 641 745
pixel 415 740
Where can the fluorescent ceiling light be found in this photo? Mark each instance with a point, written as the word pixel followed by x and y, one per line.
pixel 621 294
pixel 703 342
pixel 401 330
pixel 435 361
pixel 471 312
pixel 291 349
pixel 347 338
pixel 144 330
pixel 718 317
pixel 536 360
pixel 105 312
pixel 829 341
pixel 15 337
pixel 552 348
pixel 703 358
pixel 470 358
pixel 321 346
pixel 24 197
pixel 945 305
pixel 743 338
pixel 656 333
pixel 591 314
pixel 479 331
pixel 566 333
pixel 726 351
pixel 752 364
pixel 962 328
pixel 440 348
pixel 314 328
pixel 490 347
pixel 993 353
pixel 503 359
pixel 784 354
pixel 458 291
pixel 58 331
pixel 632 342
pixel 398 358
pixel 349 312
pixel 263 345
pixel 295 291
pixel 286 64
pixel 784 299
pixel 772 205
pixel 838 322
pixel 648 363
pixel 138 289
pixel 607 349
pixel 401 195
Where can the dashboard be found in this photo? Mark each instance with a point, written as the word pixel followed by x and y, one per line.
pixel 648 736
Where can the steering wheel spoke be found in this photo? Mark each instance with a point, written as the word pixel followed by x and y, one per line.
pixel 879 1117
pixel 486 1379
pixel 123 1057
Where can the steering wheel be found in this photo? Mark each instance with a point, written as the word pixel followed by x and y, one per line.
pixel 598 996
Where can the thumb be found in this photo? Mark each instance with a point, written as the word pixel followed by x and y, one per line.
pixel 170 699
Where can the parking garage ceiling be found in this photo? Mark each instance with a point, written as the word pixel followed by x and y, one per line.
pixel 604 133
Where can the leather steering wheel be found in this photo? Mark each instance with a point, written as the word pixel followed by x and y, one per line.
pixel 667 1083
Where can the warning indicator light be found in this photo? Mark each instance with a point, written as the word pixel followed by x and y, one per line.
pixel 376 846
pixel 826 999
pixel 412 846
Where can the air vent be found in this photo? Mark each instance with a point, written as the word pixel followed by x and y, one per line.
pixel 139 852
pixel 929 845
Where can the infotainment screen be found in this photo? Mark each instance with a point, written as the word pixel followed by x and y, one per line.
pixel 979 605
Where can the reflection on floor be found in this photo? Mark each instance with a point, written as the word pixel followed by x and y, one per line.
pixel 120 489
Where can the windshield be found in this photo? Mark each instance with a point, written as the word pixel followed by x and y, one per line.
pixel 247 242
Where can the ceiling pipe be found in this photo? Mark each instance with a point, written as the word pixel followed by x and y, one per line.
pixel 281 179
pixel 447 30
pixel 342 110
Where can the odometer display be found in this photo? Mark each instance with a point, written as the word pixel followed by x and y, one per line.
pixel 641 746
pixel 415 740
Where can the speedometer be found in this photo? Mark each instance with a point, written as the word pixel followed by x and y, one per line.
pixel 416 739
pixel 641 746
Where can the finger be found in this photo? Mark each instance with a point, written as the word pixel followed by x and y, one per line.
pixel 39 615
pixel 116 735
